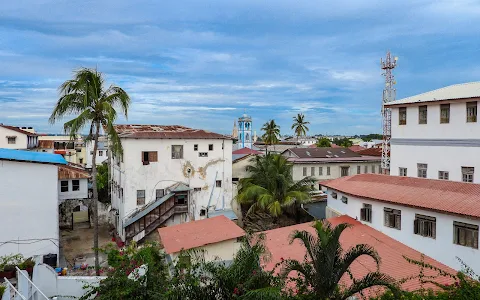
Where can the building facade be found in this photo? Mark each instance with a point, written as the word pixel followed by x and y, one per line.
pixel 12 137
pixel 437 135
pixel 102 152
pixel 168 175
pixel 245 132
pixel 424 214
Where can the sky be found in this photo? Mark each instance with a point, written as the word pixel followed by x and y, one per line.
pixel 203 64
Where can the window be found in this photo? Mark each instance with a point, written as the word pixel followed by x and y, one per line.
pixel 210 147
pixel 328 170
pixel 203 212
pixel 80 160
pixel 180 199
pixel 235 179
pixel 422 170
pixel 159 193
pixel 443 175
pixel 366 213
pixel 312 170
pixel 393 218
pixel 12 139
pixel 402 171
pixel 344 171
pixel 177 152
pixel 320 170
pixel 195 147
pixel 218 183
pixel 402 116
pixel 75 185
pixel 373 169
pixel 140 197
pixel 359 169
pixel 149 156
pixel 197 189
pixel 422 114
pixel 425 226
pixel 304 171
pixel 202 154
pixel 379 169
pixel 444 113
pixel 472 112
pixel 334 195
pixel 64 186
pixel 100 153
pixel 467 174
pixel 344 199
pixel 465 234
pixel 365 169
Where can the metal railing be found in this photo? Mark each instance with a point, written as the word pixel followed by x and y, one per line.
pixel 7 295
pixel 33 289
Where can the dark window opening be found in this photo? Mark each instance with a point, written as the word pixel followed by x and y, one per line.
pixel 64 186
pixel 75 185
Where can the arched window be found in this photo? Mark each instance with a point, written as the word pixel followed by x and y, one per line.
pixel 247 137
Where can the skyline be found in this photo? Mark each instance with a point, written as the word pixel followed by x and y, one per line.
pixel 191 64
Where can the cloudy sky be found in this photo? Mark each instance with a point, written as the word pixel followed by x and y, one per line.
pixel 202 63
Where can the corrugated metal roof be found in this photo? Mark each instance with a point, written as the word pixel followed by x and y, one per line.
pixel 46 144
pixel 451 92
pixel 334 159
pixel 226 212
pixel 148 208
pixel 165 132
pixel 72 172
pixel 327 152
pixel 31 156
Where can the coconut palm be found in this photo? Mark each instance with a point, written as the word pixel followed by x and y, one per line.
pixel 300 125
pixel 326 263
pixel 271 134
pixel 270 186
pixel 94 106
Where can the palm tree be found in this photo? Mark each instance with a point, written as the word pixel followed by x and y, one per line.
pixel 300 125
pixel 271 135
pixel 270 186
pixel 94 105
pixel 326 263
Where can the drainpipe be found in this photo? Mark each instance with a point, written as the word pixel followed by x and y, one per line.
pixel 211 193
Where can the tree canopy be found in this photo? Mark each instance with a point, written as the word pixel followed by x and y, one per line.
pixel 323 143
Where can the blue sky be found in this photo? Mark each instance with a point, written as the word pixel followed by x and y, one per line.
pixel 202 63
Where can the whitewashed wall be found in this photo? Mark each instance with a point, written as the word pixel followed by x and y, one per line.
pixel 89 155
pixel 29 207
pixel 225 250
pixel 20 142
pixel 71 194
pixel 442 248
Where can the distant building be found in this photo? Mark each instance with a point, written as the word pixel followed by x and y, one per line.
pixel 12 137
pixel 245 132
pixel 303 140
pixel 60 144
pixel 169 175
pixel 102 152
pixel 436 217
pixel 437 134
pixel 73 190
pixel 29 202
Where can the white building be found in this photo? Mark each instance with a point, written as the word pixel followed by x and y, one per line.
pixel 437 135
pixel 29 202
pixel 102 152
pixel 329 163
pixel 438 218
pixel 72 183
pixel 12 137
pixel 60 144
pixel 169 175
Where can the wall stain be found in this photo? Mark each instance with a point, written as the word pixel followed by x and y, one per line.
pixel 203 170
pixel 186 167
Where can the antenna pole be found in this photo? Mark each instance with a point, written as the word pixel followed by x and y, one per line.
pixel 389 94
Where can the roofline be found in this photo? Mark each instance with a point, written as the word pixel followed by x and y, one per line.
pixel 243 157
pixel 206 244
pixel 16 129
pixel 34 162
pixel 401 204
pixel 179 138
pixel 418 103
pixel 301 161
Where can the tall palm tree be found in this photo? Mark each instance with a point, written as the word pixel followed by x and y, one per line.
pixel 271 134
pixel 326 263
pixel 271 187
pixel 94 106
pixel 300 125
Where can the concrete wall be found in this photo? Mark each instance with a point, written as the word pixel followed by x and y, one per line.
pixel 225 250
pixel 441 248
pixel 29 207
pixel 239 167
pixel 89 154
pixel 71 194
pixel 132 175
pixel 20 142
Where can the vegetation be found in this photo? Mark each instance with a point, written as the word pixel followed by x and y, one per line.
pixel 300 125
pixel 94 106
pixel 271 133
pixel 371 136
pixel 102 183
pixel 326 263
pixel 344 142
pixel 323 143
pixel 2 289
pixel 271 188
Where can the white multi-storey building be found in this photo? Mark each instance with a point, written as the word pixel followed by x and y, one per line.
pixel 102 152
pixel 437 134
pixel 436 217
pixel 12 137
pixel 169 175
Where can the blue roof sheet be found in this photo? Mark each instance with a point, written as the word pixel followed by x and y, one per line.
pixel 227 213
pixel 31 156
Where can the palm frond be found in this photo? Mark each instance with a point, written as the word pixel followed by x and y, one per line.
pixel 370 280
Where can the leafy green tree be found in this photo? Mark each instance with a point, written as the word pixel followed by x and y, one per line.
pixel 102 183
pixel 271 187
pixel 271 134
pixel 323 143
pixel 326 263
pixel 300 125
pixel 344 142
pixel 94 106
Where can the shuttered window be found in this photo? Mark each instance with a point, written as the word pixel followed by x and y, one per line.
pixel 465 234
pixel 425 226
pixel 366 213
pixel 149 156
pixel 393 218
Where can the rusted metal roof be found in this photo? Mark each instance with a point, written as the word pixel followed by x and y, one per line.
pixel 72 172
pixel 371 152
pixel 329 152
pixel 165 132
pixel 18 130
pixel 46 144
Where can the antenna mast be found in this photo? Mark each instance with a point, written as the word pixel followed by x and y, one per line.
pixel 389 94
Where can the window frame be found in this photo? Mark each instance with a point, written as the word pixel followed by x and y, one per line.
pixel 402 116
pixel 403 174
pixel 441 175
pixel 421 222
pixel 344 199
pixel 472 111
pixel 334 195
pixel 359 169
pixel 394 215
pixel 365 169
pixel 468 174
pixel 62 186
pixel 195 147
pixel 77 185
pixel 100 152
pixel 159 194
pixel 14 138
pixel 473 229
pixel 218 183
pixel 445 108
pixel 342 169
pixel 373 169
pixel 210 147
pixel 140 197
pixel 312 171
pixel 328 171
pixel 366 213
pixel 202 154
pixel 304 171
pixel 320 171
pixel 177 153
pixel 422 114
pixel 421 168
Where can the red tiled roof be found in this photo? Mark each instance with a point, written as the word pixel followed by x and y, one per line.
pixel 198 233
pixel 356 148
pixel 323 152
pixel 165 132
pixel 72 172
pixel 17 130
pixel 336 146
pixel 390 251
pixel 444 196
pixel 246 151
pixel 312 146
pixel 371 151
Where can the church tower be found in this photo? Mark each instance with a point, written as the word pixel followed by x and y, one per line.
pixel 245 136
pixel 235 130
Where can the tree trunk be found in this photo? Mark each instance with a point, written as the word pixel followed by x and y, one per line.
pixel 95 198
